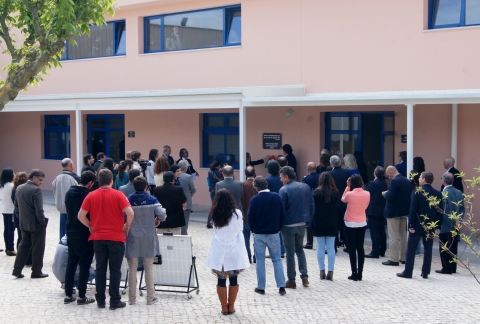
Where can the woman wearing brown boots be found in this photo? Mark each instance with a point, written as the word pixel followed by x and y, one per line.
pixel 227 255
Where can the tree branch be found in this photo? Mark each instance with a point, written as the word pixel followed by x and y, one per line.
pixel 5 34
pixel 35 19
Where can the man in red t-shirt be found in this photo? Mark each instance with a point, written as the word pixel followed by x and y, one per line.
pixel 108 232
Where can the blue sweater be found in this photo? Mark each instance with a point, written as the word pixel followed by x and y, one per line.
pixel 274 183
pixel 266 213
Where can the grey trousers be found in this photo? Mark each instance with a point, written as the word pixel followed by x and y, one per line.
pixel 293 239
pixel 186 213
pixel 397 231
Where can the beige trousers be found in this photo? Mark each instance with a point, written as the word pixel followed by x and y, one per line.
pixel 175 231
pixel 397 231
pixel 132 278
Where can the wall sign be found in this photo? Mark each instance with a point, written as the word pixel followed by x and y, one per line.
pixel 404 138
pixel 272 141
pixel 131 134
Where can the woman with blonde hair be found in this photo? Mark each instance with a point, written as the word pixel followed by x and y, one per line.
pixel 351 164
pixel 161 166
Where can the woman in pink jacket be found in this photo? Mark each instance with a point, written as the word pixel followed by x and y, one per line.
pixel 356 222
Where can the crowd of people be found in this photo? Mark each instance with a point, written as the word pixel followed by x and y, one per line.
pixel 115 211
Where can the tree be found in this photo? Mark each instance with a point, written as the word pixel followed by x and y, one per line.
pixel 33 34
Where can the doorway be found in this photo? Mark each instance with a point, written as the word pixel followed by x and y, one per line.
pixel 106 133
pixel 371 133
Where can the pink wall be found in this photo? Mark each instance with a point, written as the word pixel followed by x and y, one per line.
pixel 329 46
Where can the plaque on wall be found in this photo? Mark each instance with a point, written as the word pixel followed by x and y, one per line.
pixel 131 134
pixel 404 138
pixel 272 141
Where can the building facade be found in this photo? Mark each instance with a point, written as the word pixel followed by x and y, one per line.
pixel 216 76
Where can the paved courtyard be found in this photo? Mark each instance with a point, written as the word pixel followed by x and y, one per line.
pixel 380 297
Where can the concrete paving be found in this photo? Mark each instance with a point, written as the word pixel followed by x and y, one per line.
pixel 381 296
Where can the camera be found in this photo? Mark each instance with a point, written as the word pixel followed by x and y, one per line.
pixel 143 164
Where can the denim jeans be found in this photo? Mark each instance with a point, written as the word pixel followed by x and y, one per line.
pixel 8 232
pixel 329 243
pixel 282 246
pixel 246 236
pixel 80 253
pixel 111 253
pixel 63 225
pixel 272 241
pixel 293 239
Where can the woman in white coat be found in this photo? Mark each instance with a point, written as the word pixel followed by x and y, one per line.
pixel 227 255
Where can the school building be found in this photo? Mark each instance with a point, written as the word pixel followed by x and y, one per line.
pixel 217 76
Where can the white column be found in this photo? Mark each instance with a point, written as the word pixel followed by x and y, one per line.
pixel 79 138
pixel 454 130
pixel 243 140
pixel 409 138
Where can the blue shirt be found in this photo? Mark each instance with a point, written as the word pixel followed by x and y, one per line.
pixel 298 202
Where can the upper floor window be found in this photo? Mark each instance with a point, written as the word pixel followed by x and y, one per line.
pixel 195 29
pixel 106 40
pixel 57 137
pixel 454 13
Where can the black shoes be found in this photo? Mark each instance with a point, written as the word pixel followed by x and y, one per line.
pixel 390 263
pixel 322 275
pixel 68 300
pixel 403 275
pixel 85 301
pixel 424 276
pixel 18 275
pixel 442 272
pixel 260 291
pixel 402 262
pixel 308 247
pixel 282 291
pixel 120 304
pixel 353 276
pixel 359 276
pixel 39 276
pixel 371 256
pixel 345 250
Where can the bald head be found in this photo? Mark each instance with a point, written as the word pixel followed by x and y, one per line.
pixel 449 162
pixel 227 171
pixel 311 167
pixel 250 171
pixel 67 164
pixel 391 171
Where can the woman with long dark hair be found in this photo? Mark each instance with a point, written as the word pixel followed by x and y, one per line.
pixel 175 168
pixel 121 178
pixel 7 208
pixel 357 202
pixel 325 222
pixel 324 163
pixel 418 168
pixel 227 255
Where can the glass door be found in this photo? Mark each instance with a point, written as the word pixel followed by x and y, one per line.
pixel 106 133
pixel 343 133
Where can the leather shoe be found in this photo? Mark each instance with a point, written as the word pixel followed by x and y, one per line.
pixel 39 276
pixel 370 256
pixel 290 285
pixel 390 263
pixel 424 276
pixel 345 250
pixel 308 247
pixel 403 275
pixel 120 304
pixel 441 272
pixel 259 291
pixel 18 275
pixel 11 253
pixel 402 262
pixel 305 282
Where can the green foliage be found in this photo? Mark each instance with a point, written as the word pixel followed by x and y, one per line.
pixel 33 34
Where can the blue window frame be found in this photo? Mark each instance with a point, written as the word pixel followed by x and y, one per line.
pixel 453 13
pixel 221 139
pixel 104 41
pixel 106 133
pixel 56 136
pixel 215 27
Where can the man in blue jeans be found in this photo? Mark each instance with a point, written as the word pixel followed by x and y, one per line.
pixel 266 215
pixel 299 206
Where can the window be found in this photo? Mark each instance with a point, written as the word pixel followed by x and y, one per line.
pixel 107 40
pixel 221 139
pixel 454 13
pixel 192 30
pixel 57 137
pixel 106 133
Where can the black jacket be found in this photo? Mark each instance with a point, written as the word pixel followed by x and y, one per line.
pixel 171 198
pixel 340 176
pixel 457 182
pixel 87 167
pixel 73 201
pixel 292 162
pixel 190 169
pixel 398 197
pixel 376 207
pixel 312 180
pixel 97 165
pixel 420 207
pixel 325 219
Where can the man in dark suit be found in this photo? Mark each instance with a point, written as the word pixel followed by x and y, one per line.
pixel 173 199
pixel 396 212
pixel 291 159
pixel 449 165
pixel 167 150
pixel 100 158
pixel 235 187
pixel 33 224
pixel 402 166
pixel 422 214
pixel 340 176
pixel 312 180
pixel 375 214
pixel 184 156
pixel 186 182
pixel 248 192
